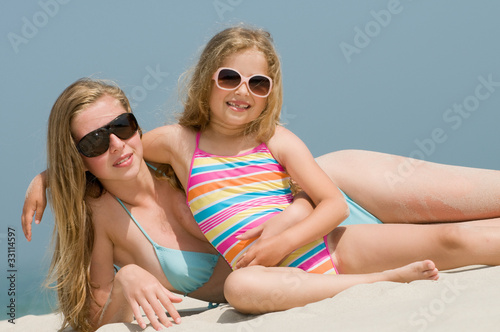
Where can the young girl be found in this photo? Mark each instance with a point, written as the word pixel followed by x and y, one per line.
pixel 231 156
pixel 234 161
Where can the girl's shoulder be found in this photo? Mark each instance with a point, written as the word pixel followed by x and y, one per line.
pixel 280 130
pixel 282 136
pixel 285 145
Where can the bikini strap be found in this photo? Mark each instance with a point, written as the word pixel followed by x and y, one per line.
pixel 151 166
pixel 198 135
pixel 135 221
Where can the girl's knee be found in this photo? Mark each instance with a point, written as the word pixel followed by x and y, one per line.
pixel 239 287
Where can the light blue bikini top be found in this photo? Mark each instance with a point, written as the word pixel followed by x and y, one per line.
pixel 185 270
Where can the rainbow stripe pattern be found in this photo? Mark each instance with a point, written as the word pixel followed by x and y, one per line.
pixel 229 195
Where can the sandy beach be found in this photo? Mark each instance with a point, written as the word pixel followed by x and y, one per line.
pixel 466 299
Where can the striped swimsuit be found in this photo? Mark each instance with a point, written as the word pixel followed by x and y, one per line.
pixel 229 195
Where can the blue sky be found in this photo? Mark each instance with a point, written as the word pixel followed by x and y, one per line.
pixel 417 78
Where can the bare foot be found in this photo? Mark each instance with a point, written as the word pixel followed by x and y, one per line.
pixel 423 270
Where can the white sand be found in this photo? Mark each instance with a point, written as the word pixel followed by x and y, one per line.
pixel 462 300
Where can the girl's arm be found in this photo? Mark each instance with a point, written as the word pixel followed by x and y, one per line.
pixel 35 202
pixel 155 145
pixel 331 208
pixel 173 145
pixel 165 144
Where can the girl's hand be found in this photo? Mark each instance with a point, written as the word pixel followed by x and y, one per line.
pixel 265 251
pixel 142 290
pixel 35 202
pixel 251 233
pixel 270 248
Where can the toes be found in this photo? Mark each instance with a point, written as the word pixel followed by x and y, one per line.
pixel 429 265
pixel 431 274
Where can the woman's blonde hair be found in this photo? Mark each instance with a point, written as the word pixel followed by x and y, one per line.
pixel 69 189
pixel 230 41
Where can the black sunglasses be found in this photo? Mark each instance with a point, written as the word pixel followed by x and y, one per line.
pixel 96 142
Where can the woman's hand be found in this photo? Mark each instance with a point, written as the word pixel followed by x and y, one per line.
pixel 35 202
pixel 142 290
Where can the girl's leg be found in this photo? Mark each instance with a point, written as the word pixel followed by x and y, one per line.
pixel 258 289
pixel 371 248
pixel 403 190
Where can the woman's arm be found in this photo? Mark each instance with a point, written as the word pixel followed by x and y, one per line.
pixel 118 298
pixel 134 288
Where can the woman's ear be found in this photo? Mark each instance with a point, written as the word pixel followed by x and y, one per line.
pixel 85 168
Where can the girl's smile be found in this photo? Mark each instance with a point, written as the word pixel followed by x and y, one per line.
pixel 238 106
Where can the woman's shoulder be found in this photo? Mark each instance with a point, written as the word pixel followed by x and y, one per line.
pixel 104 208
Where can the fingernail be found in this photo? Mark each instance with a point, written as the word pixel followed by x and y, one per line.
pixel 178 320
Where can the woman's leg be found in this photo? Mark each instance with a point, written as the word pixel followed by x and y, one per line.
pixel 371 248
pixel 403 190
pixel 258 289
